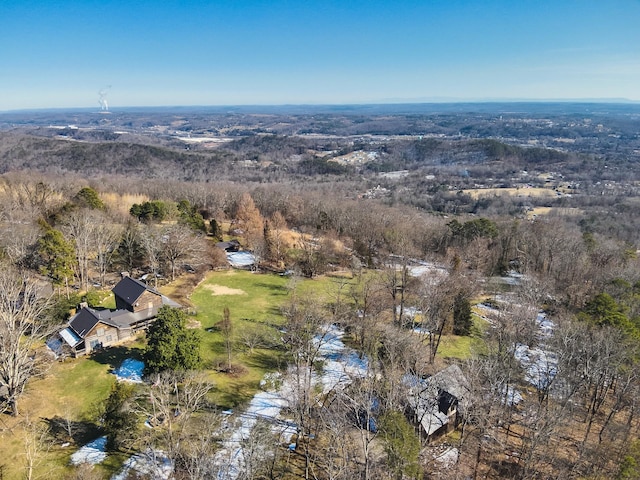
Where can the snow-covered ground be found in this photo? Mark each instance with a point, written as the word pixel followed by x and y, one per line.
pixel 512 278
pixel 546 325
pixel 151 464
pixel 424 268
pixel 241 259
pixel 540 365
pixel 448 458
pixel 92 453
pixel 341 364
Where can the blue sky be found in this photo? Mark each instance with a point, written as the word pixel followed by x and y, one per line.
pixel 57 54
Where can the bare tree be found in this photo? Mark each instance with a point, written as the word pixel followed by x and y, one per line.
pixel 258 451
pixel 131 248
pixel 23 327
pixel 36 445
pixel 174 398
pixel 437 295
pixel 277 227
pixel 151 241
pixel 105 242
pixel 195 454
pixel 180 244
pixel 79 226
pixel 226 327
pixel 369 300
pixel 304 339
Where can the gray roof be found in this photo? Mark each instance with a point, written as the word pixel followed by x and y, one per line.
pixel 87 318
pixel 69 336
pixel 451 380
pixel 427 396
pixel 129 289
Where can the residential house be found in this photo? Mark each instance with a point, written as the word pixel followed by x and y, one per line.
pixel 436 404
pixel 137 305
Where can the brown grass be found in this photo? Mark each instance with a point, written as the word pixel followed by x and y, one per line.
pixel 222 290
pixel 513 192
pixel 122 203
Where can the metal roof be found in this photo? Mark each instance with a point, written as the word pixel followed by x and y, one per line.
pixel 129 289
pixel 69 336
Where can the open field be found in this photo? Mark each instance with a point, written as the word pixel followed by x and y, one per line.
pixel 513 192
pixel 538 211
pixel 254 303
pixel 461 348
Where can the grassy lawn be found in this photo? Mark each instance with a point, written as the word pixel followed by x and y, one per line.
pixel 254 302
pixel 71 390
pixel 461 348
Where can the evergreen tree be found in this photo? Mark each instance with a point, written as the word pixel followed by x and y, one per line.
pixel 401 445
pixel 87 197
pixel 119 419
pixel 215 229
pixel 170 345
pixel 57 257
pixel 462 321
pixel 189 215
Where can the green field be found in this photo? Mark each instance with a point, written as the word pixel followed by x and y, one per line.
pixel 254 302
pixel 461 348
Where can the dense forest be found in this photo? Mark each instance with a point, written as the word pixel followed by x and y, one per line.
pixel 515 229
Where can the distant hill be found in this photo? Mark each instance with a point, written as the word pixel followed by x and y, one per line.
pixel 52 155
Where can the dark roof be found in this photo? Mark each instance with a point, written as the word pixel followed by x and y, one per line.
pixel 129 289
pixel 87 318
pixel 231 245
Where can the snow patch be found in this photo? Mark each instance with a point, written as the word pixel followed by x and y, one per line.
pixel 151 464
pixel 340 365
pixel 241 259
pixel 448 458
pixel 93 452
pixel 130 370
pixel 541 366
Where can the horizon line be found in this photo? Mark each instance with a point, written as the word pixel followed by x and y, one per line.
pixel 386 102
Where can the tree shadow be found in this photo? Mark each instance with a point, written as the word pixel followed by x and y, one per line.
pixel 266 361
pixel 238 395
pixel 276 289
pixel 506 468
pixel 78 432
pixel 274 311
pixel 114 356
